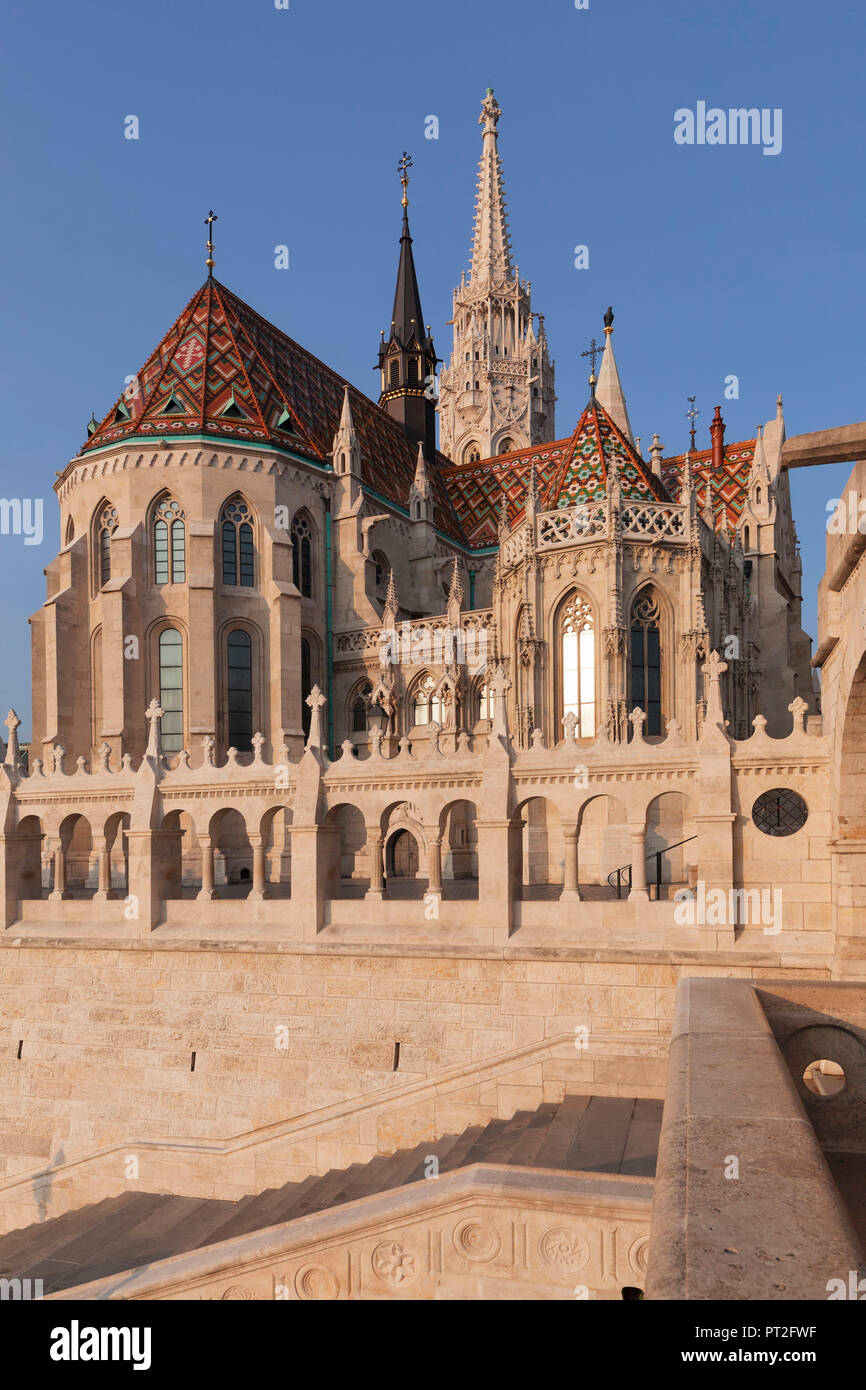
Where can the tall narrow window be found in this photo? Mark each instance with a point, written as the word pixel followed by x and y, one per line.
pixel 302 556
pixel 237 544
pixel 171 688
pixel 106 529
pixel 360 705
pixel 646 691
pixel 169 543
pixel 426 704
pixel 577 650
pixel 306 685
pixel 240 690
pixel 485 702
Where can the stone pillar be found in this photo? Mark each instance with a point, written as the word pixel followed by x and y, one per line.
pixel 435 878
pixel 310 887
pixel 570 892
pixel 638 892
pixel 207 875
pixel 498 881
pixel 103 853
pixel 259 888
pixel 147 876
pixel 60 890
pixel 377 880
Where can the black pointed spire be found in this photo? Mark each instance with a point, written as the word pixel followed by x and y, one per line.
pixel 407 360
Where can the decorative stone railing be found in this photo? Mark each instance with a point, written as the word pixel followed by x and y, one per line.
pixel 369 639
pixel 654 520
pixel 569 526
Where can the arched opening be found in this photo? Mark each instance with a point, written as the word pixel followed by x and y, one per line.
pixel 302 554
pixel 238 548
pixel 347 872
pixel 170 645
pixel 105 525
pixel 852 763
pixel 575 648
pixel 459 849
pixel 117 850
pixel 178 856
pixel 670 843
pixel 70 531
pixel 239 692
pixel 424 704
pixel 542 850
pixel 645 662
pixel 26 845
pixel 232 852
pixel 82 870
pixel 276 833
pixel 603 846
pixel 359 705
pixel 169 542
pixel 306 684
pixel 401 857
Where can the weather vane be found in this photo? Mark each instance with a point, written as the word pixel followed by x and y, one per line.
pixel 692 415
pixel 593 351
pixel 209 221
pixel 404 164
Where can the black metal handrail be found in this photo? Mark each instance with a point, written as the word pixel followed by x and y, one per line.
pixel 656 854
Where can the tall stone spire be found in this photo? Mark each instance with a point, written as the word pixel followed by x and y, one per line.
pixel 407 360
pixel 608 391
pixel 491 244
pixel 497 393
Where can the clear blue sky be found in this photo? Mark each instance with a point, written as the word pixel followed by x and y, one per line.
pixel 289 123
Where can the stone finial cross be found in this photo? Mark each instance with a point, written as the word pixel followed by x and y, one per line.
pixel 258 742
pixel 714 668
pixel 153 714
pixel 315 700
pixel 207 747
pixel 569 720
pixel 799 708
pixel 58 755
pixel 104 755
pixel 637 719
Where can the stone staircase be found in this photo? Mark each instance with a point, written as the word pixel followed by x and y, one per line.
pixel 592 1134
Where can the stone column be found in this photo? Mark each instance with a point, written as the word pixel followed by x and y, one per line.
pixel 377 880
pixel 259 888
pixel 59 890
pixel 206 846
pixel 104 890
pixel 638 864
pixel 498 880
pixel 435 879
pixel 570 892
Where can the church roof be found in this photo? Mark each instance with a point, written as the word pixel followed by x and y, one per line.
pixel 223 370
pixel 568 472
pixel 728 489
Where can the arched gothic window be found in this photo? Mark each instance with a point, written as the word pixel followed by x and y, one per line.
pixel 485 702
pixel 577 656
pixel 360 705
pixel 239 663
pixel 473 454
pixel 302 555
pixel 393 372
pixel 106 528
pixel 427 706
pixel 171 688
pixel 237 543
pixel 169 543
pixel 645 661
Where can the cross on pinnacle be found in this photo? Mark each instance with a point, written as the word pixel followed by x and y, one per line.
pixel 593 351
pixel 209 221
pixel 404 164
pixel 692 414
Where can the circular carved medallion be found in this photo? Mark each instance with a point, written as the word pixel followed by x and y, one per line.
pixel 560 1250
pixel 476 1242
pixel 393 1264
pixel 315 1283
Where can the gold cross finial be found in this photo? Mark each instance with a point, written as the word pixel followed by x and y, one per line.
pixel 594 350
pixel 209 221
pixel 404 164
pixel 692 415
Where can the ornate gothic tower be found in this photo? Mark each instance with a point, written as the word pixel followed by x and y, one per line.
pixel 407 361
pixel 497 393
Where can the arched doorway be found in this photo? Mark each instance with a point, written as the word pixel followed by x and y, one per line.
pixel 402 856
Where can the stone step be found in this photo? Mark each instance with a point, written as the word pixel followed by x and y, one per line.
pixel 46 1236
pixel 599 1143
pixel 525 1151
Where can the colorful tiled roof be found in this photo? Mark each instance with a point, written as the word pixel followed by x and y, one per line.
pixel 223 370
pixel 568 472
pixel 728 488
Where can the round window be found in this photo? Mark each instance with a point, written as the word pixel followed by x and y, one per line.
pixel 780 812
